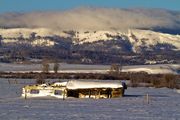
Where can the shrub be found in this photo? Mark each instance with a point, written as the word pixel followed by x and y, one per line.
pixel 40 79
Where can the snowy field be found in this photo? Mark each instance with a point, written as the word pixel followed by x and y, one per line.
pixel 80 68
pixel 164 104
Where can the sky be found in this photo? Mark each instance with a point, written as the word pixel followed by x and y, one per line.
pixel 56 5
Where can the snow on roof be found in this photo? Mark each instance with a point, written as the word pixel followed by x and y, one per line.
pixel 74 84
pixel 59 84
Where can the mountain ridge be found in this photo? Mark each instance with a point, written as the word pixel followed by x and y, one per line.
pixel 83 44
pixel 136 37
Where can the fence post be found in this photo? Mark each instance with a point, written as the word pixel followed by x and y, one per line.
pixel 25 94
pixel 9 82
pixel 64 94
pixel 147 98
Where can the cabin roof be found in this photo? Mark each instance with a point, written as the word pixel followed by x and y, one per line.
pixel 76 84
pixel 59 84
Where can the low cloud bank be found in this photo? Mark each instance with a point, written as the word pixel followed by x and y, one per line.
pixel 94 19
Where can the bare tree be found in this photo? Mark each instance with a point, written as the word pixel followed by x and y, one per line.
pixel 56 67
pixel 115 69
pixel 45 67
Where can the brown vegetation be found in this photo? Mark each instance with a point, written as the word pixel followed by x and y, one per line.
pixel 40 79
pixel 136 79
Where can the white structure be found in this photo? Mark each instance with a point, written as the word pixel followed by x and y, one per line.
pixel 44 90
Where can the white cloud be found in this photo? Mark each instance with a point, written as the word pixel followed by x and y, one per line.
pixel 95 19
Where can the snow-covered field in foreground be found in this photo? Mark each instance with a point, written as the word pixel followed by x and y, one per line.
pixel 164 105
pixel 80 68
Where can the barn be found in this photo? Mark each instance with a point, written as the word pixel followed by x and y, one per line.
pixel 95 89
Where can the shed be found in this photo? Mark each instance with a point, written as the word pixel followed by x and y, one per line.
pixel 94 89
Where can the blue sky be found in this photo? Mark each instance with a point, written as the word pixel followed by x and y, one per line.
pixel 41 5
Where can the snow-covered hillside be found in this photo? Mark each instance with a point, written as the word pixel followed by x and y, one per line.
pixel 16 32
pixel 14 36
pixel 137 38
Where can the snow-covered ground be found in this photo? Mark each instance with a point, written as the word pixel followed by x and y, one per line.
pixel 79 68
pixel 164 104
